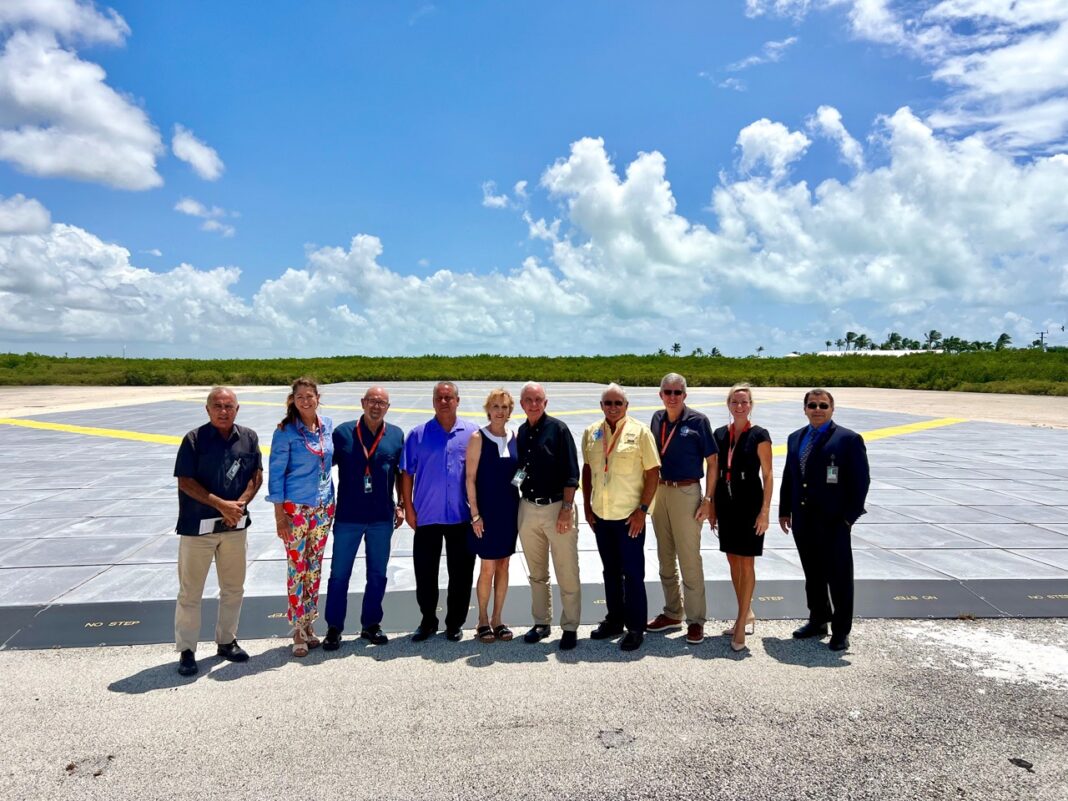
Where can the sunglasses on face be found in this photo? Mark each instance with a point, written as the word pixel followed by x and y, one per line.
pixel 673 391
pixel 613 403
pixel 823 406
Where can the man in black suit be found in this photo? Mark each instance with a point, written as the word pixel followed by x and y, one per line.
pixel 824 485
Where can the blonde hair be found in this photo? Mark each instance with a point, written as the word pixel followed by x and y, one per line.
pixel 741 386
pixel 496 396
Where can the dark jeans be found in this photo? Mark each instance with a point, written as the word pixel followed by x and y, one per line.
pixel 347 537
pixel 426 554
pixel 827 559
pixel 623 558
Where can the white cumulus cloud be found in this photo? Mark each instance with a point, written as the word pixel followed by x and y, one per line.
pixel 22 215
pixel 490 198
pixel 771 144
pixel 827 121
pixel 201 157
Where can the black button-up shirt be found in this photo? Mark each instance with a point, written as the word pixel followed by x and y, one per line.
pixel 222 467
pixel 548 455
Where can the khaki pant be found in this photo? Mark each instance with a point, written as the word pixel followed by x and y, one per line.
pixel 678 539
pixel 537 533
pixel 195 554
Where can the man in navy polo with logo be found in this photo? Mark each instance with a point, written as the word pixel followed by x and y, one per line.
pixel 369 454
pixel 219 470
pixel 824 486
pixel 687 447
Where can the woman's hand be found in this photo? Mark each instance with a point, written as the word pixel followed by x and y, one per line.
pixel 282 522
pixel 478 525
pixel 762 523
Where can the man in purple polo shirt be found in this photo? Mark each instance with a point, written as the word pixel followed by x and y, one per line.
pixel 435 461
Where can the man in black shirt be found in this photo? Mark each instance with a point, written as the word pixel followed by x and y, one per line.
pixel 548 463
pixel 219 470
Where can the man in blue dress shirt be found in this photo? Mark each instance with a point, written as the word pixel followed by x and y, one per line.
pixel 369 454
pixel 435 506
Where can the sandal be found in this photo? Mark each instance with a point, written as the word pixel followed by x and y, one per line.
pixel 310 638
pixel 503 633
pixel 485 634
pixel 300 648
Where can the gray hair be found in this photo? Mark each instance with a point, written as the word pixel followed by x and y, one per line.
pixel 455 389
pixel 218 391
pixel 614 387
pixel 673 378
pixel 530 386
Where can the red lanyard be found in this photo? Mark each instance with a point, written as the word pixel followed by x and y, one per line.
pixel 321 453
pixel 609 448
pixel 733 442
pixel 663 429
pixel 367 454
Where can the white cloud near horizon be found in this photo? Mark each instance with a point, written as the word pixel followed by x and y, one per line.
pixel 197 154
pixel 925 240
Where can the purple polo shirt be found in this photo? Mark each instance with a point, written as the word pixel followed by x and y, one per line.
pixel 437 460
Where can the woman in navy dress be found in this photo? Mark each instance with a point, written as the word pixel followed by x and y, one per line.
pixel 743 501
pixel 492 462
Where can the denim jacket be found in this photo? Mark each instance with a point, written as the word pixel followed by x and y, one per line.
pixel 294 470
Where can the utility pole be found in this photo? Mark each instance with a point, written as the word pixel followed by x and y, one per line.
pixel 1043 334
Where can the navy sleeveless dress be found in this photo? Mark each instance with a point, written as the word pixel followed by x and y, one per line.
pixel 497 501
pixel 737 509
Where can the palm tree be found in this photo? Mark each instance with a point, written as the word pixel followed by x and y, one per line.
pixel 715 352
pixel 828 343
pixel 661 352
pixel 839 342
pixel 676 348
pixel 851 337
pixel 932 339
pixel 1003 342
pixel 861 342
pixel 759 350
pixel 698 352
pixel 893 341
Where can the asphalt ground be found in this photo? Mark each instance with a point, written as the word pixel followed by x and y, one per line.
pixel 915 710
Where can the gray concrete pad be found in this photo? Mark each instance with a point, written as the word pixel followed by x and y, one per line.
pixel 942 506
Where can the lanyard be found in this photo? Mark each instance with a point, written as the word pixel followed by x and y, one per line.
pixel 321 453
pixel 609 448
pixel 663 428
pixel 733 442
pixel 367 454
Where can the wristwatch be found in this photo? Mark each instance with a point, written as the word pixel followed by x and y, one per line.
pixel 568 506
pixel 644 507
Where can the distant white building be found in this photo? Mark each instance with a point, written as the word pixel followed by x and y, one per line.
pixel 874 352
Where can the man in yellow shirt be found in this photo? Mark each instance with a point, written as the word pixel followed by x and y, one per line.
pixel 619 479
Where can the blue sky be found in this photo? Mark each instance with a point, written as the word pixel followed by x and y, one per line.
pixel 206 179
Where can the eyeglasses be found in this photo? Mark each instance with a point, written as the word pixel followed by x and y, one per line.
pixel 375 402
pixel 823 406
pixel 613 403
pixel 673 391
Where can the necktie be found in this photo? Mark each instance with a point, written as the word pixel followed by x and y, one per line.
pixel 807 450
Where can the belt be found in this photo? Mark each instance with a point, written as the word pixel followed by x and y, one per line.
pixel 545 501
pixel 684 483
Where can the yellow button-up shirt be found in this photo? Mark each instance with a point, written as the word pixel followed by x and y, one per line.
pixel 618 491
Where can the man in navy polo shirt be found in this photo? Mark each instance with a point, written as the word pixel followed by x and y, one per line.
pixel 219 470
pixel 687 453
pixel 369 455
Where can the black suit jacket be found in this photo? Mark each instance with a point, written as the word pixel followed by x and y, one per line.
pixel 810 497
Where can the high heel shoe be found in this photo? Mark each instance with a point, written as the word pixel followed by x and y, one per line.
pixel 738 646
pixel 750 626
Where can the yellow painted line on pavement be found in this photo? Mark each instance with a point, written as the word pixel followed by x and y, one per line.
pixel 894 431
pixel 169 439
pixel 108 433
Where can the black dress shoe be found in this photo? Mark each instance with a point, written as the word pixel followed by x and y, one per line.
pixel 423 633
pixel 537 633
pixel 233 652
pixel 811 629
pixel 838 643
pixel 375 635
pixel 568 640
pixel 332 640
pixel 187 663
pixel 606 631
pixel 632 642
pixel 454 635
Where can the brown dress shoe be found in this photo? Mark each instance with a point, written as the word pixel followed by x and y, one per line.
pixel 663 623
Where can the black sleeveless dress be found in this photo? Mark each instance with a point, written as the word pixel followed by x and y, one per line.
pixel 498 500
pixel 738 505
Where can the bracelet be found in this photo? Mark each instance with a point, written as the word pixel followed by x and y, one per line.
pixel 708 499
pixel 475 519
pixel 568 506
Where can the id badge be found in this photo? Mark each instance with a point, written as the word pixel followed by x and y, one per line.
pixel 832 474
pixel 233 470
pixel 367 484
pixel 519 477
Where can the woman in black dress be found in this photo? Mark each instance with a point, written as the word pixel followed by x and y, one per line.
pixel 492 463
pixel 743 501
